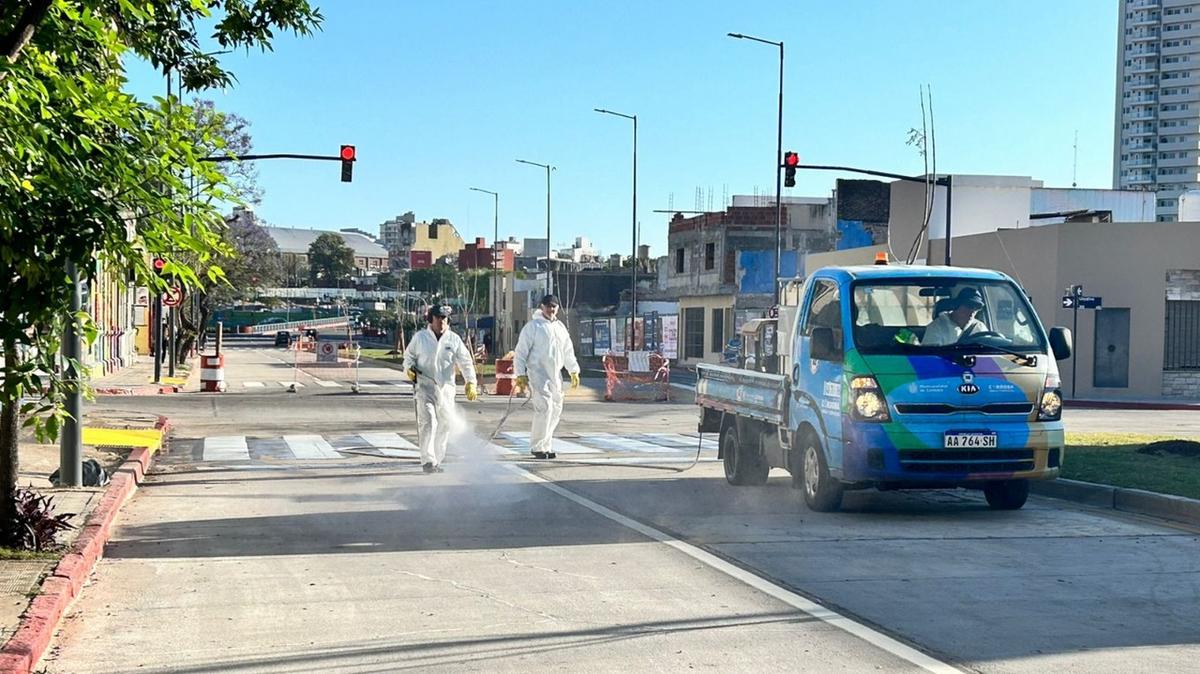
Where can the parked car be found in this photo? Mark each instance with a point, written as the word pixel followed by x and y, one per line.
pixel 283 338
pixel 311 333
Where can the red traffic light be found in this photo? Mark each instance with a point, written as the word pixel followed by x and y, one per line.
pixel 348 153
pixel 791 159
pixel 159 264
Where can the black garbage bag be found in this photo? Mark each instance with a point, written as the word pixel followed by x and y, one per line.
pixel 94 474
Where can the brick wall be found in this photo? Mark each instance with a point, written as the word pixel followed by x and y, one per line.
pixel 1181 384
pixel 1183 284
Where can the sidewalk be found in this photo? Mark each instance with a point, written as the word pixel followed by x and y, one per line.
pixel 138 379
pixel 20 579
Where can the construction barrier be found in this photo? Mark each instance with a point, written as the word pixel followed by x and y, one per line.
pixel 212 373
pixel 505 379
pixel 639 375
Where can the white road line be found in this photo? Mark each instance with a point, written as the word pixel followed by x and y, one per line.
pixel 286 384
pixel 390 444
pixel 253 384
pixel 226 448
pixel 799 602
pixel 678 440
pixel 310 447
pixel 326 384
pixel 622 444
pixel 521 439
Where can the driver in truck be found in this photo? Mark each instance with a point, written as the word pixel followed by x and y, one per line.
pixel 953 325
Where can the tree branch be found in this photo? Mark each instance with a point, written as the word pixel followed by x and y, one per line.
pixel 16 40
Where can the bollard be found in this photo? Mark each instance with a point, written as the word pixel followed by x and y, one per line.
pixel 212 373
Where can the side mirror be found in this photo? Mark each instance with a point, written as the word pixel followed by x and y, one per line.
pixel 1060 343
pixel 823 346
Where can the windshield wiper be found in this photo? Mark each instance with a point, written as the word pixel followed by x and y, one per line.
pixel 1018 357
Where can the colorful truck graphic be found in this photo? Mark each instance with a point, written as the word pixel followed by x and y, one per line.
pixel 896 378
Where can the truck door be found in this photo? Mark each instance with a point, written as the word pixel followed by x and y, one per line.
pixel 817 383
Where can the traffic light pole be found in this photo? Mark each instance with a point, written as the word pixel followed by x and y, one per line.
pixel 70 449
pixel 158 337
pixel 947 182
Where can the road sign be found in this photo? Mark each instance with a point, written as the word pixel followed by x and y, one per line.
pixel 327 351
pixel 141 296
pixel 173 297
pixel 1082 302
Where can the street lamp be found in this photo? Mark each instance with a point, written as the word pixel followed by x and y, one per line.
pixel 495 288
pixel 633 275
pixel 549 271
pixel 778 162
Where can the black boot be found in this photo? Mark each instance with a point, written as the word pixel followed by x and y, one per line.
pixel 428 468
pixel 540 455
pixel 551 455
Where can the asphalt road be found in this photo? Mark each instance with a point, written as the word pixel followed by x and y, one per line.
pixel 609 561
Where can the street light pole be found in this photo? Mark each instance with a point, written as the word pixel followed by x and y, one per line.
pixel 495 288
pixel 778 163
pixel 633 225
pixel 549 271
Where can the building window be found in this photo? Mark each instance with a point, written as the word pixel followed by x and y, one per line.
pixel 718 331
pixel 433 231
pixel 1181 343
pixel 693 333
pixel 710 256
pixel 678 260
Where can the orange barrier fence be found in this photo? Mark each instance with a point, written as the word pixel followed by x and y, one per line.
pixel 640 375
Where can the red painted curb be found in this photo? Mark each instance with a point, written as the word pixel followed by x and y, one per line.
pixel 148 390
pixel 25 648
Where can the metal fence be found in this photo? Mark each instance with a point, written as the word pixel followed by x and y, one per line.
pixel 1181 345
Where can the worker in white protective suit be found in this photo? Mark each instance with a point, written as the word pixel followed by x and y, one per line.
pixel 543 350
pixel 430 360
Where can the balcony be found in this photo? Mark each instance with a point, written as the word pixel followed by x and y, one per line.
pixel 1141 84
pixel 1143 162
pixel 1143 37
pixel 1194 162
pixel 1144 20
pixel 1144 4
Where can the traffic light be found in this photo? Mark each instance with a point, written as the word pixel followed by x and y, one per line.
pixel 790 161
pixel 159 265
pixel 348 156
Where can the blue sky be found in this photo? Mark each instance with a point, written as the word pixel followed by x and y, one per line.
pixel 442 96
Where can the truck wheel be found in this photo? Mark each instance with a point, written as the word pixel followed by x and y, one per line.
pixel 743 466
pixel 822 493
pixel 1007 495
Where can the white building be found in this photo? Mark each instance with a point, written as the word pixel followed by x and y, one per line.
pixel 581 251
pixel 1156 140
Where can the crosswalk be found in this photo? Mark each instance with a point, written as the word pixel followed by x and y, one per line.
pixel 315 447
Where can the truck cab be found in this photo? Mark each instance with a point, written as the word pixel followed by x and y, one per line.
pixel 900 377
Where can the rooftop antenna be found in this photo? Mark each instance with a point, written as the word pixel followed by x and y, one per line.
pixel 1075 162
pixel 671 201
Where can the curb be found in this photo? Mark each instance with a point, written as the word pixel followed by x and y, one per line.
pixel 147 390
pixel 1136 501
pixel 1120 405
pixel 32 636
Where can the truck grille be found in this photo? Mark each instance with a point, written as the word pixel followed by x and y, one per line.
pixel 967 461
pixel 942 408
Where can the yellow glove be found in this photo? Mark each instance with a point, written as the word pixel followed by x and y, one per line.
pixel 522 382
pixel 472 391
pixel 574 380
pixel 412 374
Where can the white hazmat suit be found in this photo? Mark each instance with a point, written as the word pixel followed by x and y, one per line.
pixel 435 358
pixel 543 350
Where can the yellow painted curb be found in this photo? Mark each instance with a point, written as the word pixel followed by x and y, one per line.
pixel 174 381
pixel 149 438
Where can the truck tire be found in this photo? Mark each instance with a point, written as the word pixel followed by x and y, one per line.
pixel 1007 495
pixel 744 466
pixel 822 492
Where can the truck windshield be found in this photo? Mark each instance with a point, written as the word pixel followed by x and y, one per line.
pixel 944 315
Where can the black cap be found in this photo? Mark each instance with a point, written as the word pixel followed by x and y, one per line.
pixel 442 310
pixel 549 300
pixel 969 296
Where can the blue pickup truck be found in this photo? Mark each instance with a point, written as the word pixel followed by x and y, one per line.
pixel 896 377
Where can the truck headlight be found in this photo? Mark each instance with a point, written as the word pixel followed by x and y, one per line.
pixel 1050 406
pixel 867 400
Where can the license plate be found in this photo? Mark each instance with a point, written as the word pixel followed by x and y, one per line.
pixel 971 441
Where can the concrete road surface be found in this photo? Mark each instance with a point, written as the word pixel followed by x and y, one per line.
pixel 611 559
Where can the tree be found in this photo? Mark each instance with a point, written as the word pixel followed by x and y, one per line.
pixel 295 271
pixel 436 280
pixel 330 260
pixel 89 172
pixel 234 131
pixel 251 262
pixel 387 281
